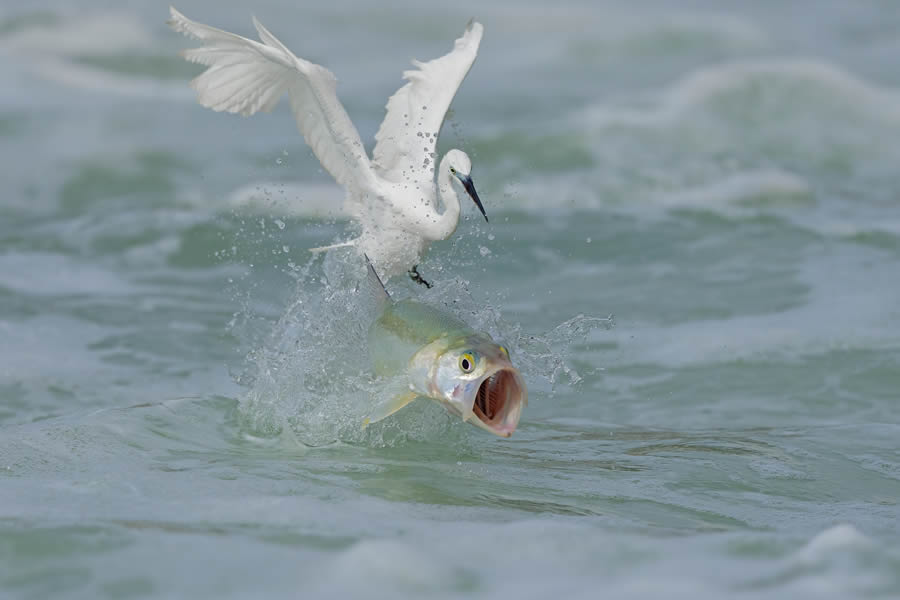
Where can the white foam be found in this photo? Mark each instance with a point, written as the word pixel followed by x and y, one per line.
pixel 48 49
pixel 106 34
pixel 308 200
pixel 703 86
pixel 736 194
pixel 748 187
pixel 392 563
pixel 842 227
pixel 837 539
pixel 82 77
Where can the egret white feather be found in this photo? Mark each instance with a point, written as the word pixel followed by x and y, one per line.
pixel 395 198
pixel 415 113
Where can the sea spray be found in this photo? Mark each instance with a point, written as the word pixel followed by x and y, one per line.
pixel 313 379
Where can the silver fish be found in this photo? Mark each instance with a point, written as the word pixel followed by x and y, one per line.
pixel 443 359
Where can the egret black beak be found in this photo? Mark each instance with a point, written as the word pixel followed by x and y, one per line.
pixel 466 180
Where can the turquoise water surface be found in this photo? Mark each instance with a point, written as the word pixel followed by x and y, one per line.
pixel 181 381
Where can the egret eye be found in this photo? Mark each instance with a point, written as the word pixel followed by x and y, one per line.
pixel 452 170
pixel 504 351
pixel 467 362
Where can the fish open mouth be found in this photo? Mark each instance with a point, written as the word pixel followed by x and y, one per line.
pixel 499 401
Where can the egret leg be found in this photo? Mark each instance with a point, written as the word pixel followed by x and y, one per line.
pixel 414 275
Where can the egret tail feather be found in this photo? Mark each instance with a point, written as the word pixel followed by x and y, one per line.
pixel 333 246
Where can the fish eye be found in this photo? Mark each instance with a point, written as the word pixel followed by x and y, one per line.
pixel 467 362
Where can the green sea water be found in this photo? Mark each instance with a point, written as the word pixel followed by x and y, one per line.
pixel 178 375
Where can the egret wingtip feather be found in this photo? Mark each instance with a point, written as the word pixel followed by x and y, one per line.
pixel 393 196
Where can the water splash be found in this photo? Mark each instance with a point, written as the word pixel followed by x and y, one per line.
pixel 312 379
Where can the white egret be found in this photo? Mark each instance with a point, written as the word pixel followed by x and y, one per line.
pixel 393 196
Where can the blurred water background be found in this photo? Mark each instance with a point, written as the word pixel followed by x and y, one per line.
pixel 720 176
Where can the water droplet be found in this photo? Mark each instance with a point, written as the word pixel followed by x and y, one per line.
pixel 284 152
pixel 278 161
pixel 491 236
pixel 588 240
pixel 280 223
pixel 484 251
pixel 285 249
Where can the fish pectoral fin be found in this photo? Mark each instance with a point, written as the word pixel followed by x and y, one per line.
pixel 388 408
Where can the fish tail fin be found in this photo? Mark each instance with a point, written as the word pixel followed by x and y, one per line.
pixel 375 284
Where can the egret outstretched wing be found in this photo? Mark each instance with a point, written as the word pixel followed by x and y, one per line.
pixel 245 77
pixel 408 136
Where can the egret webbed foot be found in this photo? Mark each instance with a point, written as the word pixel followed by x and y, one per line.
pixel 414 275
